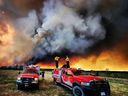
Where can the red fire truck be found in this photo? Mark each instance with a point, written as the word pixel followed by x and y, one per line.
pixel 80 82
pixel 29 78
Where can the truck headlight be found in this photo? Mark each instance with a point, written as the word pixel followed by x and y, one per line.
pixel 36 79
pixel 19 78
pixel 85 83
pixel 105 79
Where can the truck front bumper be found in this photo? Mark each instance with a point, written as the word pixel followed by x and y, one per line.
pixel 97 90
pixel 27 84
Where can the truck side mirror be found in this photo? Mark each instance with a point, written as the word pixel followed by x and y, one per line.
pixel 68 74
pixel 18 72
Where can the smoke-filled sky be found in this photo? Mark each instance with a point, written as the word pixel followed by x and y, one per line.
pixel 48 27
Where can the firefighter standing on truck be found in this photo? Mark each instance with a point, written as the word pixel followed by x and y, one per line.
pixel 66 65
pixel 56 61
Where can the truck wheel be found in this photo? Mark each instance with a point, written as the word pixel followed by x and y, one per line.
pixel 54 81
pixel 37 87
pixel 77 91
pixel 18 87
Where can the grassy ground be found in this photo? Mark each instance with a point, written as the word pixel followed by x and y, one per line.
pixel 119 87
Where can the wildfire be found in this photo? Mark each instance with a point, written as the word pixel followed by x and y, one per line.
pixel 13 49
pixel 6 34
pixel 6 41
pixel 107 60
pixel 46 65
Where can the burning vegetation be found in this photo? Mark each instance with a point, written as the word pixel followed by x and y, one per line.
pixel 107 60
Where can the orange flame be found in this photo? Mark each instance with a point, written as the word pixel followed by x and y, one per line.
pixel 6 40
pixel 46 65
pixel 107 60
pixel 13 45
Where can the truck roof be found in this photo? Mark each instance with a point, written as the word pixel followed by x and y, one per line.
pixel 72 69
pixel 31 67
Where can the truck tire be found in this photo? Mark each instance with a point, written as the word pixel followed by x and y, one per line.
pixel 37 87
pixel 18 87
pixel 77 91
pixel 54 81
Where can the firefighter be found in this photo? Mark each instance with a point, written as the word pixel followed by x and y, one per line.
pixel 42 74
pixel 56 61
pixel 67 62
pixel 67 65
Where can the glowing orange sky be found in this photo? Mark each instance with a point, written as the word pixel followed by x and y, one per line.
pixel 105 61
pixel 13 45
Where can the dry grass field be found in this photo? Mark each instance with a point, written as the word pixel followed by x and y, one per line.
pixel 119 87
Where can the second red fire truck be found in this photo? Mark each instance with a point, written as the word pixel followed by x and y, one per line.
pixel 80 82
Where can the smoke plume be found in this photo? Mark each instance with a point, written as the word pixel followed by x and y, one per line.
pixel 63 28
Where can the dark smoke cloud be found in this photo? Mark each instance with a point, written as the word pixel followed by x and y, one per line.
pixel 110 15
pixel 115 20
pixel 64 28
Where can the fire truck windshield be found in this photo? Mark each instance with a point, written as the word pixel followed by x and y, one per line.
pixel 81 72
pixel 30 71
